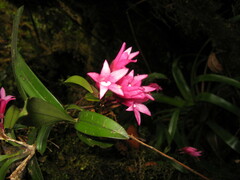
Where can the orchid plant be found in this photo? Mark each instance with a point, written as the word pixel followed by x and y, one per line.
pixel 42 110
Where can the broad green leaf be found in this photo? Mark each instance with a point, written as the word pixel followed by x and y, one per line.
pixel 227 137
pixel 218 101
pixel 31 84
pixel 80 81
pixel 181 83
pixel 173 124
pixel 92 142
pixel 41 142
pixel 11 117
pixel 28 84
pixel 6 165
pixel 95 124
pixel 169 100
pixel 42 113
pixel 218 78
pixel 34 169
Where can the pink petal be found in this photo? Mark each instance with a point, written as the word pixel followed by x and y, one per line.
pixel 143 109
pixel 156 86
pixel 130 108
pixel 140 77
pixel 116 89
pixel 103 90
pixel 131 73
pixel 128 50
pixel 150 97
pixel 191 151
pixel 105 69
pixel 132 55
pixel 121 51
pixel 2 92
pixel 148 88
pixel 9 98
pixel 118 74
pixel 137 116
pixel 94 76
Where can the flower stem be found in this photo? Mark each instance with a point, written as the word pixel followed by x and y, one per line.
pixel 169 157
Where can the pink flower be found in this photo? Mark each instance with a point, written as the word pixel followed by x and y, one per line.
pixel 191 151
pixel 137 108
pixel 106 80
pixel 123 58
pixel 128 88
pixel 3 103
pixel 156 86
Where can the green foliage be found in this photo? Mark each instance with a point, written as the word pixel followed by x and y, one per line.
pixel 34 169
pixel 6 164
pixel 184 107
pixel 28 84
pixel 43 113
pixel 11 117
pixel 79 81
pixel 95 124
pixel 42 110
pixel 181 82
pixel 89 141
pixel 42 137
pixel 228 138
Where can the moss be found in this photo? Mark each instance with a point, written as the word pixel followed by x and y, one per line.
pixel 76 160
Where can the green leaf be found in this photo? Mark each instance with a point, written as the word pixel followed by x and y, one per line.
pixel 151 77
pixel 32 135
pixel 173 124
pixel 74 106
pixel 218 101
pixel 169 100
pixel 11 117
pixel 92 142
pixel 95 124
pixel 91 97
pixel 34 169
pixel 218 78
pixel 6 165
pixel 160 135
pixel 80 81
pixel 181 83
pixel 227 137
pixel 44 113
pixel 41 142
pixel 27 82
pixel 14 50
pixel 178 167
pixel 6 156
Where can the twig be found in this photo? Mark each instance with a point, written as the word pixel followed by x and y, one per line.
pixel 169 157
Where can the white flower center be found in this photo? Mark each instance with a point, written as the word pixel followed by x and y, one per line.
pixel 108 83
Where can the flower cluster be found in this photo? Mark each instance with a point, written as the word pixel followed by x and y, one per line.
pixel 3 103
pixel 127 88
pixel 190 151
